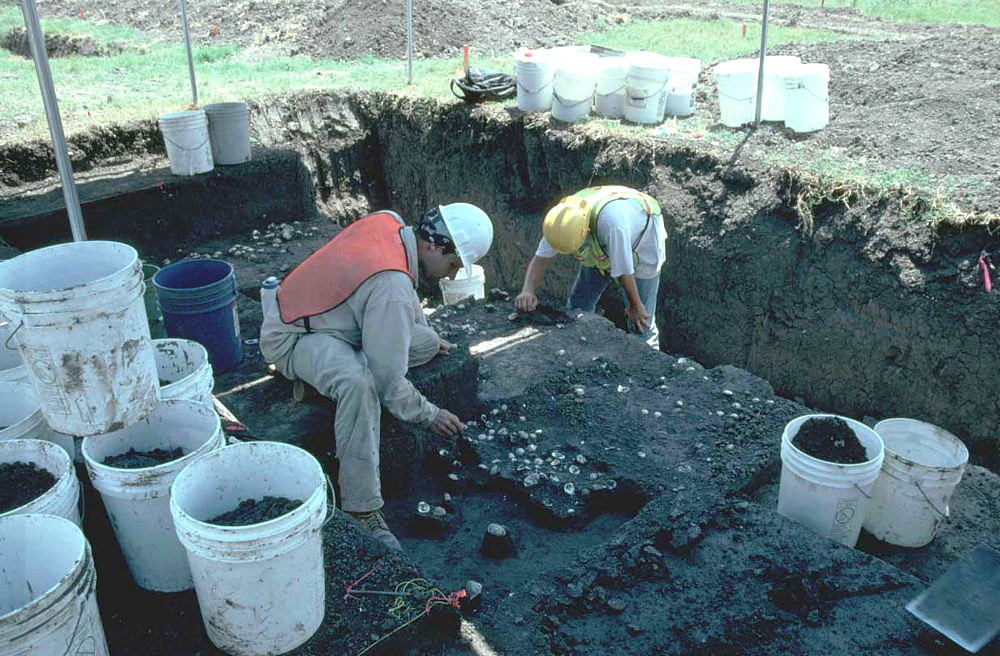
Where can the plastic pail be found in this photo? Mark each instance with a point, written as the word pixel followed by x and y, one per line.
pixel 198 300
pixel 534 82
pixel 229 132
pixel 63 498
pixel 260 587
pixel 462 287
pixel 737 82
pixel 573 87
pixel 773 104
pixel 81 328
pixel 610 98
pixel 828 497
pixel 183 365
pixel 138 500
pixel 646 89
pixel 21 417
pixel 153 314
pixel 807 97
pixel 923 465
pixel 186 137
pixel 48 601
pixel 682 92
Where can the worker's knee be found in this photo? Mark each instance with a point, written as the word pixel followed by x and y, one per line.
pixel 424 345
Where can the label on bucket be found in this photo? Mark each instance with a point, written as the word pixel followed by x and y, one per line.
pixel 846 510
pixel 51 394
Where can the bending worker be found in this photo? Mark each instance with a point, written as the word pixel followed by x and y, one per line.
pixel 617 234
pixel 348 322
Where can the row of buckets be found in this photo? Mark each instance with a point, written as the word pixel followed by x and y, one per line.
pixel 645 87
pixel 89 383
pixel 900 495
pixel 197 140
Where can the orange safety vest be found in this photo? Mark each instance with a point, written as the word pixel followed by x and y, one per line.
pixel 329 276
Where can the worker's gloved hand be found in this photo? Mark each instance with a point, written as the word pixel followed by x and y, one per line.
pixel 526 302
pixel 638 318
pixel 446 424
pixel 444 346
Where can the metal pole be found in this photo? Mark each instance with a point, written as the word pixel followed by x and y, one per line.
pixel 760 71
pixel 409 39
pixel 187 43
pixel 36 41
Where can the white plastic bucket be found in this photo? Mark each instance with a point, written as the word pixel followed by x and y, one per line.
pixel 535 75
pixel 574 86
pixel 807 97
pixel 646 89
pixel 682 92
pixel 260 587
pixel 737 86
pixel 773 103
pixel 9 357
pixel 827 497
pixel 63 498
pixel 188 146
pixel 229 132
pixel 83 334
pixel 610 93
pixel 15 374
pixel 923 465
pixel 183 364
pixel 48 600
pixel 462 286
pixel 21 417
pixel 138 500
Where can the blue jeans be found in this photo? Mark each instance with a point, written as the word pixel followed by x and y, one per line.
pixel 590 284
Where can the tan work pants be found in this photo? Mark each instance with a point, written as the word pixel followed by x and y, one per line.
pixel 336 370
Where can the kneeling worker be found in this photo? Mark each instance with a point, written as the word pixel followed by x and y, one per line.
pixel 348 322
pixel 616 233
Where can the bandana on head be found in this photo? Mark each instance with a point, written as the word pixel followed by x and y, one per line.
pixel 433 230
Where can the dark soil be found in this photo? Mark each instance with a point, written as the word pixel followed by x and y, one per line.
pixel 830 439
pixel 254 511
pixel 133 459
pixel 21 483
pixel 57 45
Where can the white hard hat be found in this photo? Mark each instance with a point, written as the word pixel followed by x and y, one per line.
pixel 471 231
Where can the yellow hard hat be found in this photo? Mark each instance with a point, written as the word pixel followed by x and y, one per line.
pixel 565 226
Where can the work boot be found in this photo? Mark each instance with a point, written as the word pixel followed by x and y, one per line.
pixel 373 523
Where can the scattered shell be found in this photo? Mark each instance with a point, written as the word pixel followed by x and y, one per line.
pixel 569 364
pixel 755 399
pixel 720 413
pixel 682 360
pixel 539 462
pixel 727 392
pixel 423 507
pixel 581 459
pixel 644 411
pixel 622 389
pixel 522 417
pixel 680 404
pixel 641 454
pixel 569 488
pixel 657 414
pixel 737 406
pixel 770 401
pixel 583 339
pixel 573 469
pixel 532 448
pixel 579 391
pixel 558 456
pixel 561 352
pixel 495 411
pixel 439 511
pixel 519 451
pixel 593 476
pixel 531 480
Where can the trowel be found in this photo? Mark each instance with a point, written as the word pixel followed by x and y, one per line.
pixel 964 602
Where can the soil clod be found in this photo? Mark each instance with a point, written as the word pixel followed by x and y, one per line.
pixel 256 511
pixel 21 483
pixel 133 459
pixel 830 439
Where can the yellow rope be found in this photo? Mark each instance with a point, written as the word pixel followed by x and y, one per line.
pixel 403 606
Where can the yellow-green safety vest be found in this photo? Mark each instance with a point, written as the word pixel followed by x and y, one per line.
pixel 591 254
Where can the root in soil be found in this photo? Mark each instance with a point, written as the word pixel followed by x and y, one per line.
pixel 253 511
pixel 21 483
pixel 830 439
pixel 133 459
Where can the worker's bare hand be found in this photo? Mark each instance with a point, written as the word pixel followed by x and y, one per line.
pixel 444 346
pixel 446 424
pixel 639 318
pixel 526 302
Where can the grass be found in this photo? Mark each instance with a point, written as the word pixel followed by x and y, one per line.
pixel 985 12
pixel 10 18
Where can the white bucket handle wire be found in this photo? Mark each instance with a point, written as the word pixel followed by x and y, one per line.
pixel 802 85
pixel 611 93
pixel 652 95
pixel 571 104
pixel 331 500
pixel 725 95
pixel 928 500
pixel 177 145
pixel 539 90
pixel 20 325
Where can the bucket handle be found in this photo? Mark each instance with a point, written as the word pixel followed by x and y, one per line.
pixel 180 147
pixel 579 102
pixel 81 503
pixel 611 93
pixel 6 344
pixel 725 95
pixel 652 95
pixel 802 85
pixel 539 90
pixel 331 500
pixel 868 496
pixel 931 503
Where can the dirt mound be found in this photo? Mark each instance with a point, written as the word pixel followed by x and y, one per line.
pixel 253 511
pixel 133 459
pixel 57 45
pixel 21 483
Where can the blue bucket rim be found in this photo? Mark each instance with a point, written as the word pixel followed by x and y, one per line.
pixel 230 271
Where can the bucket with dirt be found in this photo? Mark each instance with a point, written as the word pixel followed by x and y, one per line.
pixel 535 73
pixel 48 589
pixel 807 97
pixel 828 469
pixel 185 135
pixel 461 287
pixel 923 465
pixel 184 370
pixel 573 88
pixel 258 567
pixel 610 94
pixel 229 132
pixel 773 104
pixel 646 88
pixel 737 85
pixel 38 477
pixel 153 314
pixel 21 417
pixel 81 328
pixel 133 469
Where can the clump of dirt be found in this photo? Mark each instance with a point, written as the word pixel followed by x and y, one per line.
pixel 133 459
pixel 57 45
pixel 830 439
pixel 21 483
pixel 253 511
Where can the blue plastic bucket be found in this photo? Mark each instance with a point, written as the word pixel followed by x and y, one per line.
pixel 198 300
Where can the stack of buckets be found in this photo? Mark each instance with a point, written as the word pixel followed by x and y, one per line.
pixel 794 93
pixel 199 139
pixel 900 494
pixel 80 324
